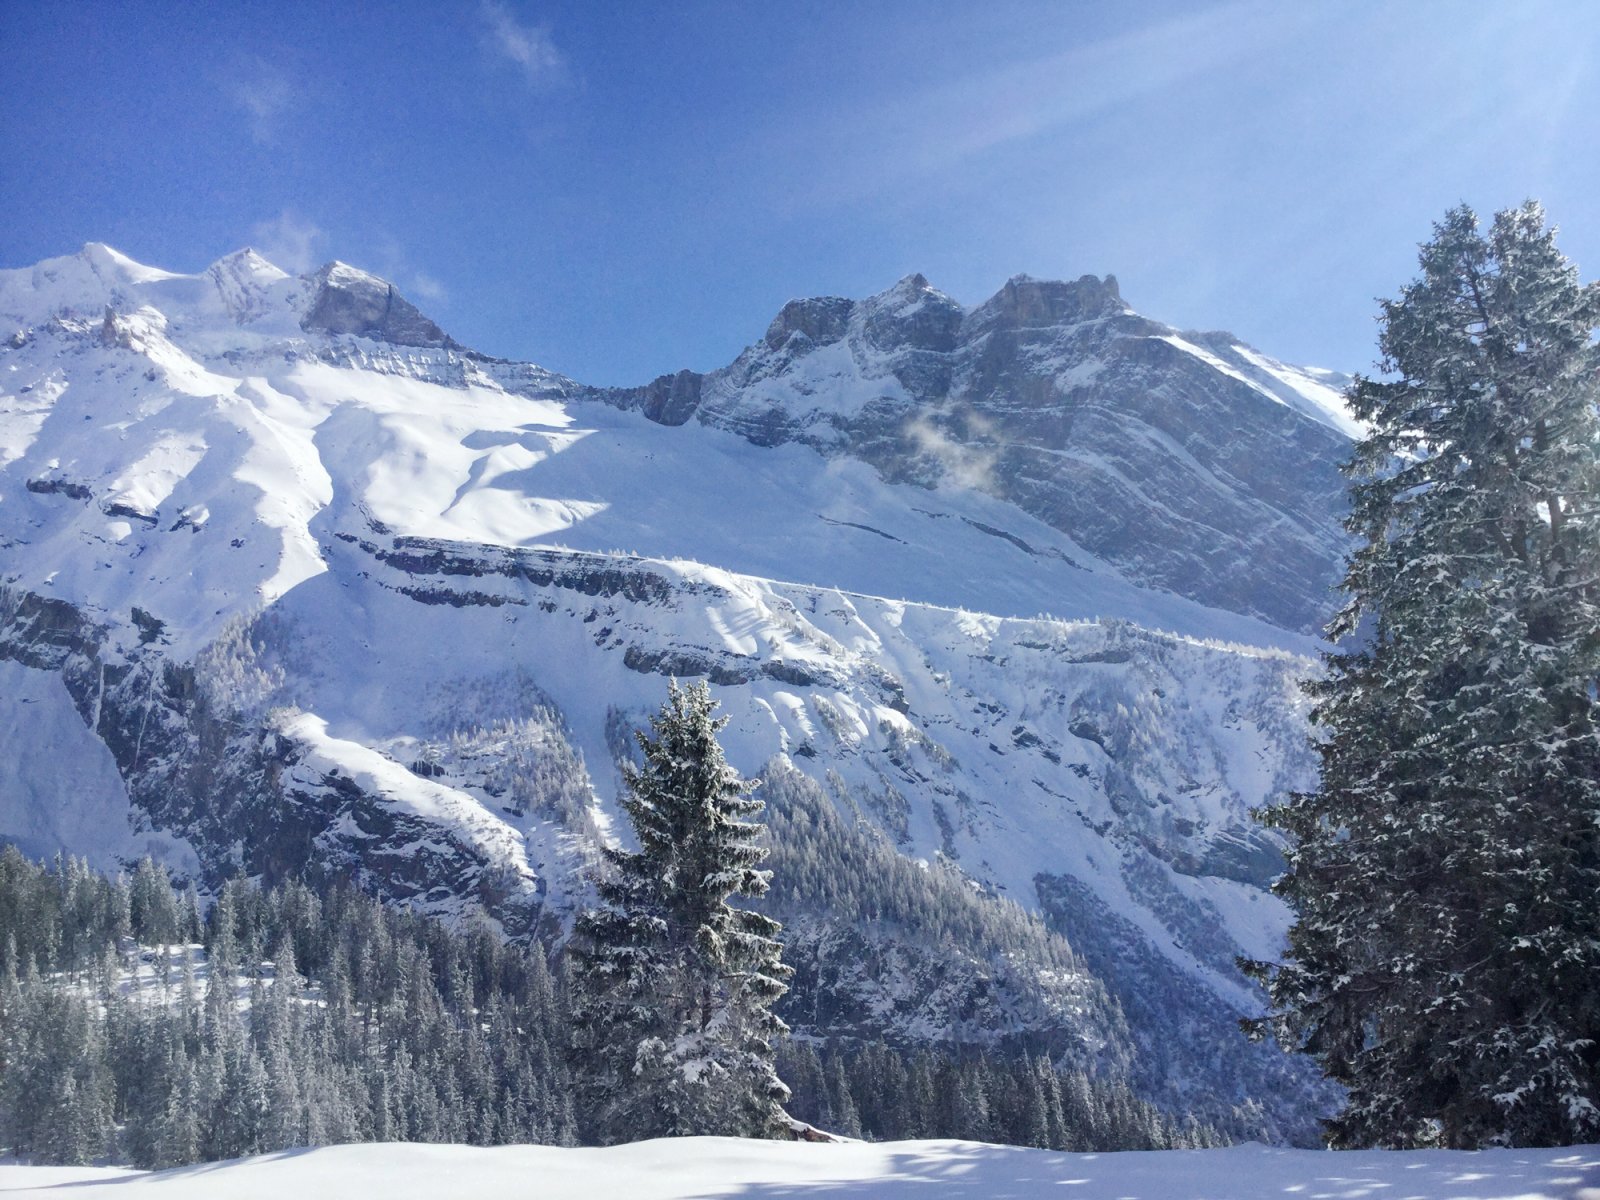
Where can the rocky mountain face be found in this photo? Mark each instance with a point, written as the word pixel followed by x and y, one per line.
pixel 346 300
pixel 1190 462
pixel 1007 606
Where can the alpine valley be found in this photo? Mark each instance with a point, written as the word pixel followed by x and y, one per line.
pixel 1008 606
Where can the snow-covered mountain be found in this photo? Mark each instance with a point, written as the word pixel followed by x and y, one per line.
pixel 1188 461
pixel 1008 603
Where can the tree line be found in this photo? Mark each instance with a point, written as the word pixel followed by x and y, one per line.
pixel 882 1093
pixel 132 1029
pixel 135 1029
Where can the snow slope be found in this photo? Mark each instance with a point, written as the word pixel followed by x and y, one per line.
pixel 705 1167
pixel 117 431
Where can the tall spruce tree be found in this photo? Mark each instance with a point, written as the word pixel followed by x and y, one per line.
pixel 672 985
pixel 1445 961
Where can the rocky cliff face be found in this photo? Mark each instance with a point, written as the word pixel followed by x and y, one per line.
pixel 344 300
pixel 333 596
pixel 1188 461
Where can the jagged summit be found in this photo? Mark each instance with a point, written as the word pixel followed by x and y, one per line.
pixel 914 314
pixel 1024 302
pixel 821 320
pixel 240 289
pixel 251 287
pixel 246 261
pixel 346 299
pixel 1167 454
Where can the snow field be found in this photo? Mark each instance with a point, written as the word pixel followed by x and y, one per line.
pixel 713 1167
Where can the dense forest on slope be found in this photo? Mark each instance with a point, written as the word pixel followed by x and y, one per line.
pixel 134 1029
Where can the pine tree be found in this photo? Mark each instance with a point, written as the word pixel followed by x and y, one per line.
pixel 840 1114
pixel 1445 962
pixel 673 987
pixel 152 907
pixel 178 1131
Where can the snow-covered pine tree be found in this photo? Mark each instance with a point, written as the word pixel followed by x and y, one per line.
pixel 672 985
pixel 1445 961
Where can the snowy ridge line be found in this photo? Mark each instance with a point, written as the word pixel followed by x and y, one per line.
pixel 492 455
pixel 265 310
pixel 425 555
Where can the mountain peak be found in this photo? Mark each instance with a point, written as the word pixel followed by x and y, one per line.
pixel 250 286
pixel 342 272
pixel 346 299
pixel 114 266
pixel 1024 302
pixel 823 320
pixel 912 288
pixel 246 261
pixel 913 314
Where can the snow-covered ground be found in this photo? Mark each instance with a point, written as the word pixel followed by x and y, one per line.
pixel 705 1167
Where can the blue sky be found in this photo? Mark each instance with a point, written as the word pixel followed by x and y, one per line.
pixel 616 190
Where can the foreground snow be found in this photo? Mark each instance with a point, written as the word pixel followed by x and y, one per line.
pixel 704 1167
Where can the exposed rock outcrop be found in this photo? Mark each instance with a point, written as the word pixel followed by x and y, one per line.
pixel 345 300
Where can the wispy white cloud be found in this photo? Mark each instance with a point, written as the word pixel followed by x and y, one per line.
pixel 298 244
pixel 265 93
pixel 529 47
pixel 290 241
pixel 426 287
pixel 389 257
pixel 967 463
pixel 938 132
